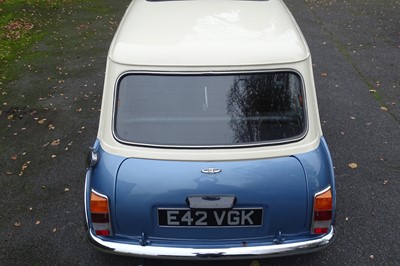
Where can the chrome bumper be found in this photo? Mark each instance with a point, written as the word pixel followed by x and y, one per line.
pixel 161 252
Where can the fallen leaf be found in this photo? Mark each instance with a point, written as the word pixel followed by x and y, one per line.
pixel 83 26
pixel 17 224
pixel 353 165
pixel 323 74
pixel 51 127
pixel 25 165
pixel 383 108
pixel 23 168
pixel 9 173
pixel 55 142
pixel 372 91
pixel 15 157
pixel 41 121
pixel 37 222
pixel 66 189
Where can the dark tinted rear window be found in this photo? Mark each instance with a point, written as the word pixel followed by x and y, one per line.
pixel 209 110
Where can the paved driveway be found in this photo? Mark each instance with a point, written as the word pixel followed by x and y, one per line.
pixel 356 49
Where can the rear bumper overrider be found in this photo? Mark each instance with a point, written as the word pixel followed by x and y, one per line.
pixel 249 252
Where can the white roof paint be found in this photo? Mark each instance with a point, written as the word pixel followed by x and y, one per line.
pixel 208 33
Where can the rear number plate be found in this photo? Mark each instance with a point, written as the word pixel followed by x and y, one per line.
pixel 210 218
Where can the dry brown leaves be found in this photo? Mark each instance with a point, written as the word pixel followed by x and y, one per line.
pixel 16 28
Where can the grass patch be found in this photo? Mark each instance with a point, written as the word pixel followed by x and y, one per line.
pixel 23 23
pixel 49 51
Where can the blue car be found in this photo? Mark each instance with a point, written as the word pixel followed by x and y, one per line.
pixel 209 143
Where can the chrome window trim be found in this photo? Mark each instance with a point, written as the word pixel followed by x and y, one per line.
pixel 232 146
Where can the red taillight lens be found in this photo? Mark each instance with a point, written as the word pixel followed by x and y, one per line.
pixel 99 212
pixel 102 232
pixel 100 218
pixel 322 215
pixel 320 231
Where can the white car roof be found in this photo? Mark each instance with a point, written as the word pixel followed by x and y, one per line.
pixel 208 33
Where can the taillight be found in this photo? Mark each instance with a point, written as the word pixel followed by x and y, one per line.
pixel 100 214
pixel 322 216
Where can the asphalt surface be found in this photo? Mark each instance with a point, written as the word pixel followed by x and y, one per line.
pixel 355 46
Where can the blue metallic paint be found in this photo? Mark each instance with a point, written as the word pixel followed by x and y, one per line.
pixel 175 185
pixel 278 185
pixel 101 178
pixel 318 168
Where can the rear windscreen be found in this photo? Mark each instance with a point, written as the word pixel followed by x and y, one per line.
pixel 209 110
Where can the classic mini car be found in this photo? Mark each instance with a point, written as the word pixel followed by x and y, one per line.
pixel 209 142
